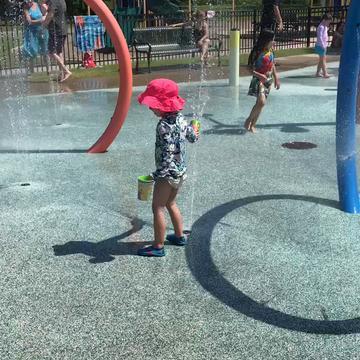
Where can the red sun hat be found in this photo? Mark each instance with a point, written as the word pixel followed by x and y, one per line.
pixel 163 95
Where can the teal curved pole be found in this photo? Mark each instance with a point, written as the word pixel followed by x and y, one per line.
pixel 346 112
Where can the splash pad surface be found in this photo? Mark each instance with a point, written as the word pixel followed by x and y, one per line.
pixel 71 286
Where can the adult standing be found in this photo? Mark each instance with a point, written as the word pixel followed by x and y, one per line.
pixel 271 20
pixel 338 36
pixel 271 17
pixel 55 21
pixel 35 36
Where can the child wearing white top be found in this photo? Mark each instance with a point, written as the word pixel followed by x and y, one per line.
pixel 321 45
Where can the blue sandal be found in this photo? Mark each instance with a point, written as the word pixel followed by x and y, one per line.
pixel 179 241
pixel 151 251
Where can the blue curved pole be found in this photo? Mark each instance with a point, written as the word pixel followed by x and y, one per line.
pixel 346 112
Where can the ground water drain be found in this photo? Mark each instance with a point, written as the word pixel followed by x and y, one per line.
pixel 299 145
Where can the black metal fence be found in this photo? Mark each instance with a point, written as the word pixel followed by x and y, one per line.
pixel 299 32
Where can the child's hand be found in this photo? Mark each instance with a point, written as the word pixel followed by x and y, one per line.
pixel 263 78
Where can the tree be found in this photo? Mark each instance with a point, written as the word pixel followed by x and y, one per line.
pixel 164 6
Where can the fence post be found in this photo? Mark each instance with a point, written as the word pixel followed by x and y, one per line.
pixel 308 27
pixel 254 26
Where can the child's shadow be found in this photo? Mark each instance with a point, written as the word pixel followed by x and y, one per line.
pixel 220 128
pixel 104 250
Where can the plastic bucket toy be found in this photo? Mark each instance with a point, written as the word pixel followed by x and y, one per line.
pixel 145 185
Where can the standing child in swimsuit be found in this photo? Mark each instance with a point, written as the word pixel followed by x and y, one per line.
pixel 201 34
pixel 262 64
pixel 172 131
pixel 321 45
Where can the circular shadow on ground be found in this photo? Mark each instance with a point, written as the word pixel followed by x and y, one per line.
pixel 205 271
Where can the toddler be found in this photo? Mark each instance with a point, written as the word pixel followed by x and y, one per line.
pixel 172 131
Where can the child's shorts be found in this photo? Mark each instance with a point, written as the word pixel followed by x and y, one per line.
pixel 177 183
pixel 320 50
pixel 256 87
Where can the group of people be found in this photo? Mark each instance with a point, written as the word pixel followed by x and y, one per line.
pixel 262 59
pixel 162 98
pixel 45 34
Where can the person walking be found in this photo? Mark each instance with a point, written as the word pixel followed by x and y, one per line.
pixel 321 45
pixel 264 75
pixel 55 21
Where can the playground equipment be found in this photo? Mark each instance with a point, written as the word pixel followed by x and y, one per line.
pixel 125 90
pixel 164 7
pixel 157 7
pixel 346 112
pixel 234 63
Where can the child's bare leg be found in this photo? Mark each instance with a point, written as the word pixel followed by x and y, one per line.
pixel 324 67
pixel 247 123
pixel 162 192
pixel 256 111
pixel 205 51
pixel 175 214
pixel 319 67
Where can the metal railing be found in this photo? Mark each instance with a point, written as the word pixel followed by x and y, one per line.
pixel 299 32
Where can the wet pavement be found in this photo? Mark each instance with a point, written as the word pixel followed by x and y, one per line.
pixel 272 266
pixel 176 73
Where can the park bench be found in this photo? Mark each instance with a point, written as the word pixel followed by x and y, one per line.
pixel 167 41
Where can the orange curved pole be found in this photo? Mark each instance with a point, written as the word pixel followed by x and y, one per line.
pixel 125 90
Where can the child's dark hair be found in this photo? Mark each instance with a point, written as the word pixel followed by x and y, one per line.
pixel 327 17
pixel 264 38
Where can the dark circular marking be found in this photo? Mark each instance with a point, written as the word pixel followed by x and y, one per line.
pixel 299 145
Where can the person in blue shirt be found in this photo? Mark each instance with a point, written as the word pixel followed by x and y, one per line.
pixel 35 36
